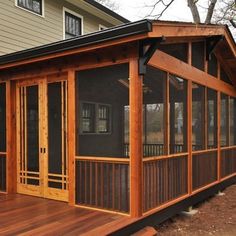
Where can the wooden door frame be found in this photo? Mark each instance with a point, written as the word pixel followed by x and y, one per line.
pixel 25 188
pixel 43 190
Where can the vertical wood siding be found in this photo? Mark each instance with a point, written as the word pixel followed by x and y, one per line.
pixel 228 162
pixel 204 169
pixel 21 29
pixel 102 185
pixel 164 180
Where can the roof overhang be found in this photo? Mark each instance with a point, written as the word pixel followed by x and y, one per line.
pixel 123 33
pixel 130 32
pixel 100 11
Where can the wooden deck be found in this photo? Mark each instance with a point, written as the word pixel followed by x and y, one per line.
pixel 26 215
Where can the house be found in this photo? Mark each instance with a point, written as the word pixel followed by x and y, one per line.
pixel 93 120
pixel 29 23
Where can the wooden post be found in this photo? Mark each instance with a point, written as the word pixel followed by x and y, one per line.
pixel 166 90
pixel 71 134
pixel 189 136
pixel 11 136
pixel 190 53
pixel 218 134
pixel 136 147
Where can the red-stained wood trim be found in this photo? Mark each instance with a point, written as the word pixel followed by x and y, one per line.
pixel 71 135
pixel 136 146
pixel 189 135
pixel 218 136
pixel 167 115
pixel 11 136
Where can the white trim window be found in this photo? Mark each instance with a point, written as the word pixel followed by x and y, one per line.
pixel 72 24
pixel 33 6
pixel 95 118
pixel 102 27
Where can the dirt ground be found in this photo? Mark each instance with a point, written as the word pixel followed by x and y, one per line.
pixel 216 216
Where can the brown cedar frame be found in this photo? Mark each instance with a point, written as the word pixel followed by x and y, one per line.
pixel 159 60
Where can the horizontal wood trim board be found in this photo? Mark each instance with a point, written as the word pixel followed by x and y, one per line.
pixel 147 159
pixel 103 159
pixel 205 187
pixel 168 63
pixel 102 210
pixel 228 148
pixel 167 204
pixel 227 177
pixel 204 151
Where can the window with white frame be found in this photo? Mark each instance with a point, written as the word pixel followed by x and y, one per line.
pixel 73 24
pixel 95 118
pixel 35 6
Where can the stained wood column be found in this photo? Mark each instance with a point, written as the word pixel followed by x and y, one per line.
pixel 218 135
pixel 71 134
pixel 189 136
pixel 11 137
pixel 136 146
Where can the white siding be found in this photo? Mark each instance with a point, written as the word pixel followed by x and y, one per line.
pixel 20 29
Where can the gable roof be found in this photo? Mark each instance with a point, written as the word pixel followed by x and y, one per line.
pixel 133 31
pixel 183 31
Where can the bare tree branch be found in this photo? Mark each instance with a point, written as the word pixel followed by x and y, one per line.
pixel 194 11
pixel 210 11
pixel 156 4
pixel 112 4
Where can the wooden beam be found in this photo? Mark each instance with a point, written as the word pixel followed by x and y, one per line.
pixel 163 61
pixel 71 134
pixel 11 136
pixel 136 147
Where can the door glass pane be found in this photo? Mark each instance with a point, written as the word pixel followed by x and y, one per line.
pixel 178 114
pixel 32 132
pixel 224 121
pixel 56 134
pixel 211 118
pixel 2 118
pixel 154 109
pixel 198 114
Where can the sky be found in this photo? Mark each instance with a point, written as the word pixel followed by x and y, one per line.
pixel 179 11
pixel 136 10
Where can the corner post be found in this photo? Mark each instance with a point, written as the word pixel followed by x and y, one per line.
pixel 218 136
pixel 11 177
pixel 136 146
pixel 71 134
pixel 189 137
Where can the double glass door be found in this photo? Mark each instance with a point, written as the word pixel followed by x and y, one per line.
pixel 42 159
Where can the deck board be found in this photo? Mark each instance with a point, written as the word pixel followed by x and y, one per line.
pixel 26 215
